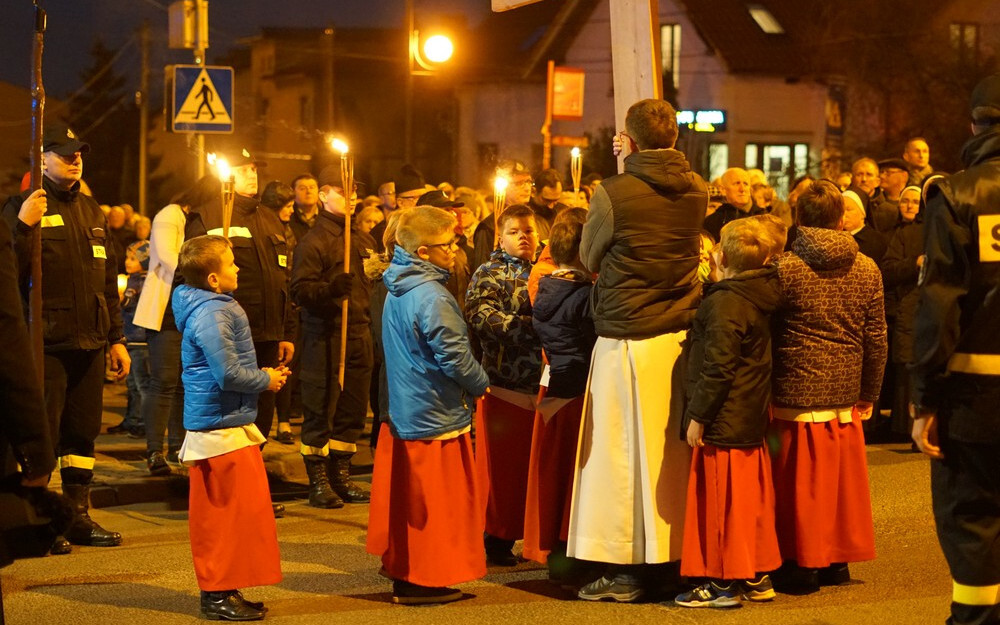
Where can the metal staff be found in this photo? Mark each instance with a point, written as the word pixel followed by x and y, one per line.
pixel 37 113
pixel 346 179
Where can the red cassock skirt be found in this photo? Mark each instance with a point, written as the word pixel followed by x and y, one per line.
pixel 425 519
pixel 503 449
pixel 234 539
pixel 822 502
pixel 729 524
pixel 550 480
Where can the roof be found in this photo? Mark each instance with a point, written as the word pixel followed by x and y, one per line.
pixel 728 27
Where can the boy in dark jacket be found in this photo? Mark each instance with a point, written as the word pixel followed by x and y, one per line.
pixel 426 514
pixel 499 314
pixel 137 382
pixel 729 534
pixel 561 317
pixel 234 541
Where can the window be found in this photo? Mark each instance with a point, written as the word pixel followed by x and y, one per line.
pixel 670 53
pixel 781 163
pixel 965 43
pixel 765 20
pixel 718 160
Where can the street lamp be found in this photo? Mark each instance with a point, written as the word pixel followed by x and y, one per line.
pixel 437 49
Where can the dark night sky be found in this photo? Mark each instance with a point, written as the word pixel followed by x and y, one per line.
pixel 73 24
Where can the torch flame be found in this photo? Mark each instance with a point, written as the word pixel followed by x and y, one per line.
pixel 500 184
pixel 222 166
pixel 211 158
pixel 338 146
pixel 575 152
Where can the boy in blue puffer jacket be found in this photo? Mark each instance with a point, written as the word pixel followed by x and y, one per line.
pixel 425 519
pixel 234 541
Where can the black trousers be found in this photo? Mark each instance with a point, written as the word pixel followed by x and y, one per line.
pixel 329 415
pixel 267 356
pixel 74 400
pixel 966 497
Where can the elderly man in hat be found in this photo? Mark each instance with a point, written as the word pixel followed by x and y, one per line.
pixel 894 174
pixel 956 363
pixel 261 253
pixel 402 192
pixel 333 417
pixel 80 316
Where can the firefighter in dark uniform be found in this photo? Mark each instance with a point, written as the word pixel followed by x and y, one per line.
pixel 956 363
pixel 261 253
pixel 332 420
pixel 80 317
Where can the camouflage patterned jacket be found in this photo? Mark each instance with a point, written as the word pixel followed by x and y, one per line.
pixel 499 315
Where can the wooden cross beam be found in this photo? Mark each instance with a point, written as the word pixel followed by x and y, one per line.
pixel 635 57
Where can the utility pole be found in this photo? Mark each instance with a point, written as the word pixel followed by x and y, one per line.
pixel 408 92
pixel 328 74
pixel 142 99
pixel 37 117
pixel 201 34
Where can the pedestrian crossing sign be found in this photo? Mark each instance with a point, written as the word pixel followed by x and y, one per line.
pixel 203 99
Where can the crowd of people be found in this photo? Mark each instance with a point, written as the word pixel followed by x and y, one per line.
pixel 658 369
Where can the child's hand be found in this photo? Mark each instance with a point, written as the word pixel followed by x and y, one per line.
pixel 277 376
pixel 694 434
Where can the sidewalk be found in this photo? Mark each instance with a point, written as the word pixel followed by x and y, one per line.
pixel 121 477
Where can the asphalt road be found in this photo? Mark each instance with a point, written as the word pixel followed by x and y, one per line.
pixel 330 578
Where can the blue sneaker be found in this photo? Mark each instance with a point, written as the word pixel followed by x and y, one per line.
pixel 711 595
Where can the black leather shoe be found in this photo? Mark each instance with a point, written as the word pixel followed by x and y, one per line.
pixel 285 438
pixel 228 606
pixel 256 605
pixel 792 579
pixel 499 552
pixel 837 574
pixel 321 495
pixel 61 546
pixel 279 510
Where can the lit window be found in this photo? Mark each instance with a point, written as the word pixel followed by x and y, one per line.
pixel 965 43
pixel 765 20
pixel 670 52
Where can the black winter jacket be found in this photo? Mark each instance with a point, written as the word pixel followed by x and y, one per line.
pixel 80 307
pixel 957 326
pixel 319 257
pixel 729 369
pixel 262 254
pixel 561 316
pixel 899 277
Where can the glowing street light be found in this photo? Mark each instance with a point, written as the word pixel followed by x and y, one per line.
pixel 438 49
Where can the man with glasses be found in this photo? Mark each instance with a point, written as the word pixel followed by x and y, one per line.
pixel 519 186
pixel 333 418
pixel 545 202
pixel 401 192
pixel 894 174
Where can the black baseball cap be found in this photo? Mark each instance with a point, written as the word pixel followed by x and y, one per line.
pixel 60 139
pixel 437 199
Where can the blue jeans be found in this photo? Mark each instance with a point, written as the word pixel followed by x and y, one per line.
pixel 137 383
pixel 164 410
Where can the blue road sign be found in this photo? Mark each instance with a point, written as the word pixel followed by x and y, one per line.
pixel 203 99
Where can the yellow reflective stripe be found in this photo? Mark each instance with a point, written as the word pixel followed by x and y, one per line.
pixel 76 462
pixel 342 446
pixel 980 364
pixel 51 221
pixel 975 595
pixel 306 450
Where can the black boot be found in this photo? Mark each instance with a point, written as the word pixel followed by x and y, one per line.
pixel 499 552
pixel 321 495
pixel 84 530
pixel 340 479
pixel 61 546
pixel 228 605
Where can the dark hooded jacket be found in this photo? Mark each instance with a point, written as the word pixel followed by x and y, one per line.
pixel 642 238
pixel 830 342
pixel 729 368
pixel 561 316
